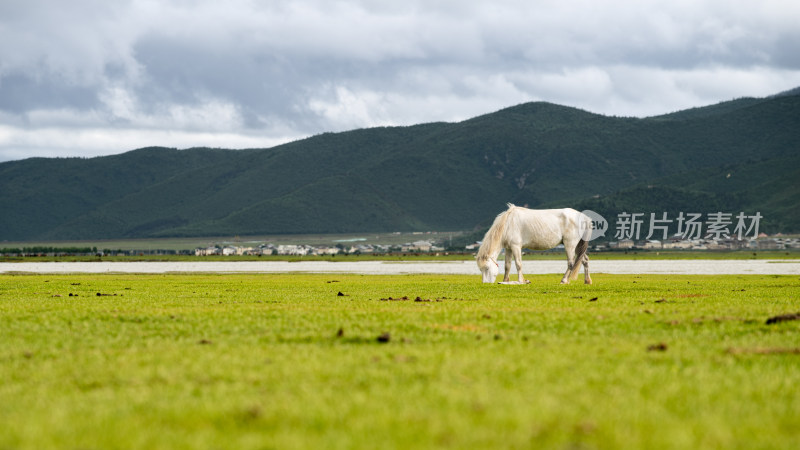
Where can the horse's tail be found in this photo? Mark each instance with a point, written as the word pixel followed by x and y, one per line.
pixel 580 250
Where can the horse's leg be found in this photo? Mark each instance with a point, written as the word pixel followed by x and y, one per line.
pixel 570 249
pixel 518 260
pixel 508 265
pixel 586 278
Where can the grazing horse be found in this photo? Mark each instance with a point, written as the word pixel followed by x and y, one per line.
pixel 536 229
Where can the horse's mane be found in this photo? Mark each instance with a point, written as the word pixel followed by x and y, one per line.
pixel 494 237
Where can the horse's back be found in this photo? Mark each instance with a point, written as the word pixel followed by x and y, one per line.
pixel 542 229
pixel 562 217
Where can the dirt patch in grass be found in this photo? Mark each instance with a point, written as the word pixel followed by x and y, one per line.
pixel 783 318
pixel 660 347
pixel 420 299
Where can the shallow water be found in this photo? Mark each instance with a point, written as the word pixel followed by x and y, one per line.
pixel 700 267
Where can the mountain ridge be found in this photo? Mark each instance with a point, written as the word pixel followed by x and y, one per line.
pixel 741 154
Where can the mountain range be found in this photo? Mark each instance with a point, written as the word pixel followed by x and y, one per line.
pixel 737 156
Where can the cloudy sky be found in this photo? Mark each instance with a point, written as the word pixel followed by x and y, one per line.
pixel 88 78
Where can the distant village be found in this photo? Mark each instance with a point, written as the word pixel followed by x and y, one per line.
pixel 322 250
pixel 764 242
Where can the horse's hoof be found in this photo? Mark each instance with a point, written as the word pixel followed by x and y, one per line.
pixel 564 282
pixel 526 281
pixel 588 281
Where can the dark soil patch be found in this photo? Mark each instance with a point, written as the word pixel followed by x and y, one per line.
pixel 660 347
pixel 392 299
pixel 783 318
pixel 420 299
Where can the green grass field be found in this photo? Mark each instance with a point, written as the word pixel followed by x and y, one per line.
pixel 285 361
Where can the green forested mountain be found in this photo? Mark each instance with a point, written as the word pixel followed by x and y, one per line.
pixel 742 155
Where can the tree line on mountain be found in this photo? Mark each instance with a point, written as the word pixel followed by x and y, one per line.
pixel 735 156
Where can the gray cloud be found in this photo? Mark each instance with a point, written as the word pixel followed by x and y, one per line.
pixel 22 92
pixel 92 77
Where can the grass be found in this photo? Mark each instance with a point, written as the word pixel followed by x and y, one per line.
pixel 284 361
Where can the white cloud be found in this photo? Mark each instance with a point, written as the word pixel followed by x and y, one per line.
pixel 87 77
pixel 347 110
pixel 18 143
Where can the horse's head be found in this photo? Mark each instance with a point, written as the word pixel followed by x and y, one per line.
pixel 489 269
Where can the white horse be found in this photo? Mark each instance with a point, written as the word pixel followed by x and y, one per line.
pixel 536 229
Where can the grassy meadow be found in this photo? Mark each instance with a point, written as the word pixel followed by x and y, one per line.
pixel 350 361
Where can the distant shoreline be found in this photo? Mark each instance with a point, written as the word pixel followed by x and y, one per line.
pixel 666 267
